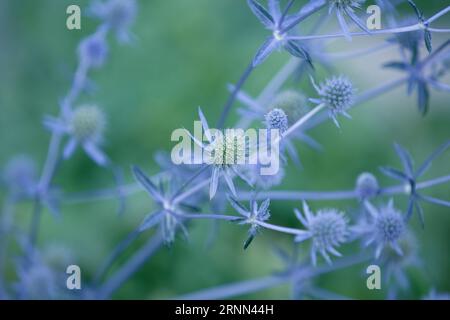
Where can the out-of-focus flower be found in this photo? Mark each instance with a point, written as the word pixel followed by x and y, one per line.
pixel 20 176
pixel 384 228
pixel 93 50
pixel 118 15
pixel 327 230
pixel 85 126
pixel 367 186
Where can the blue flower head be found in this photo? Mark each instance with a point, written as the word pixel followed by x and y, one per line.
pixel 223 155
pixel 385 228
pixel 327 229
pixel 276 119
pixel 336 94
pixel 117 14
pixel 367 186
pixel 93 50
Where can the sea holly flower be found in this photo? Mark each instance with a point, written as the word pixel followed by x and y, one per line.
pixel 251 216
pixel 223 154
pixel 85 126
pixel 168 215
pixel 346 8
pixel 385 227
pixel 276 21
pixel 118 15
pixel 336 94
pixel 327 229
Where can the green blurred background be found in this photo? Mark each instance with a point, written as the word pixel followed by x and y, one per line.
pixel 185 53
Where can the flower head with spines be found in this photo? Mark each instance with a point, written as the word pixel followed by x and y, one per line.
pixel 85 126
pixel 276 119
pixel 327 229
pixel 409 177
pixel 251 216
pixel 385 227
pixel 223 152
pixel 337 94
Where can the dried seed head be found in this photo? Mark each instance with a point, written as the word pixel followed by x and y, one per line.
pixel 87 123
pixel 277 119
pixel 367 185
pixel 337 93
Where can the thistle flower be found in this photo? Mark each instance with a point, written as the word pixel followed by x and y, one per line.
pixel 20 176
pixel 252 216
pixel 409 177
pixel 85 126
pixel 276 21
pixel 337 94
pixel 327 230
pixel 223 154
pixel 347 8
pixel 118 15
pixel 385 228
pixel 93 50
pixel 169 213
pixel 367 186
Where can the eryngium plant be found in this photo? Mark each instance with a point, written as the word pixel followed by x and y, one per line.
pixel 323 238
